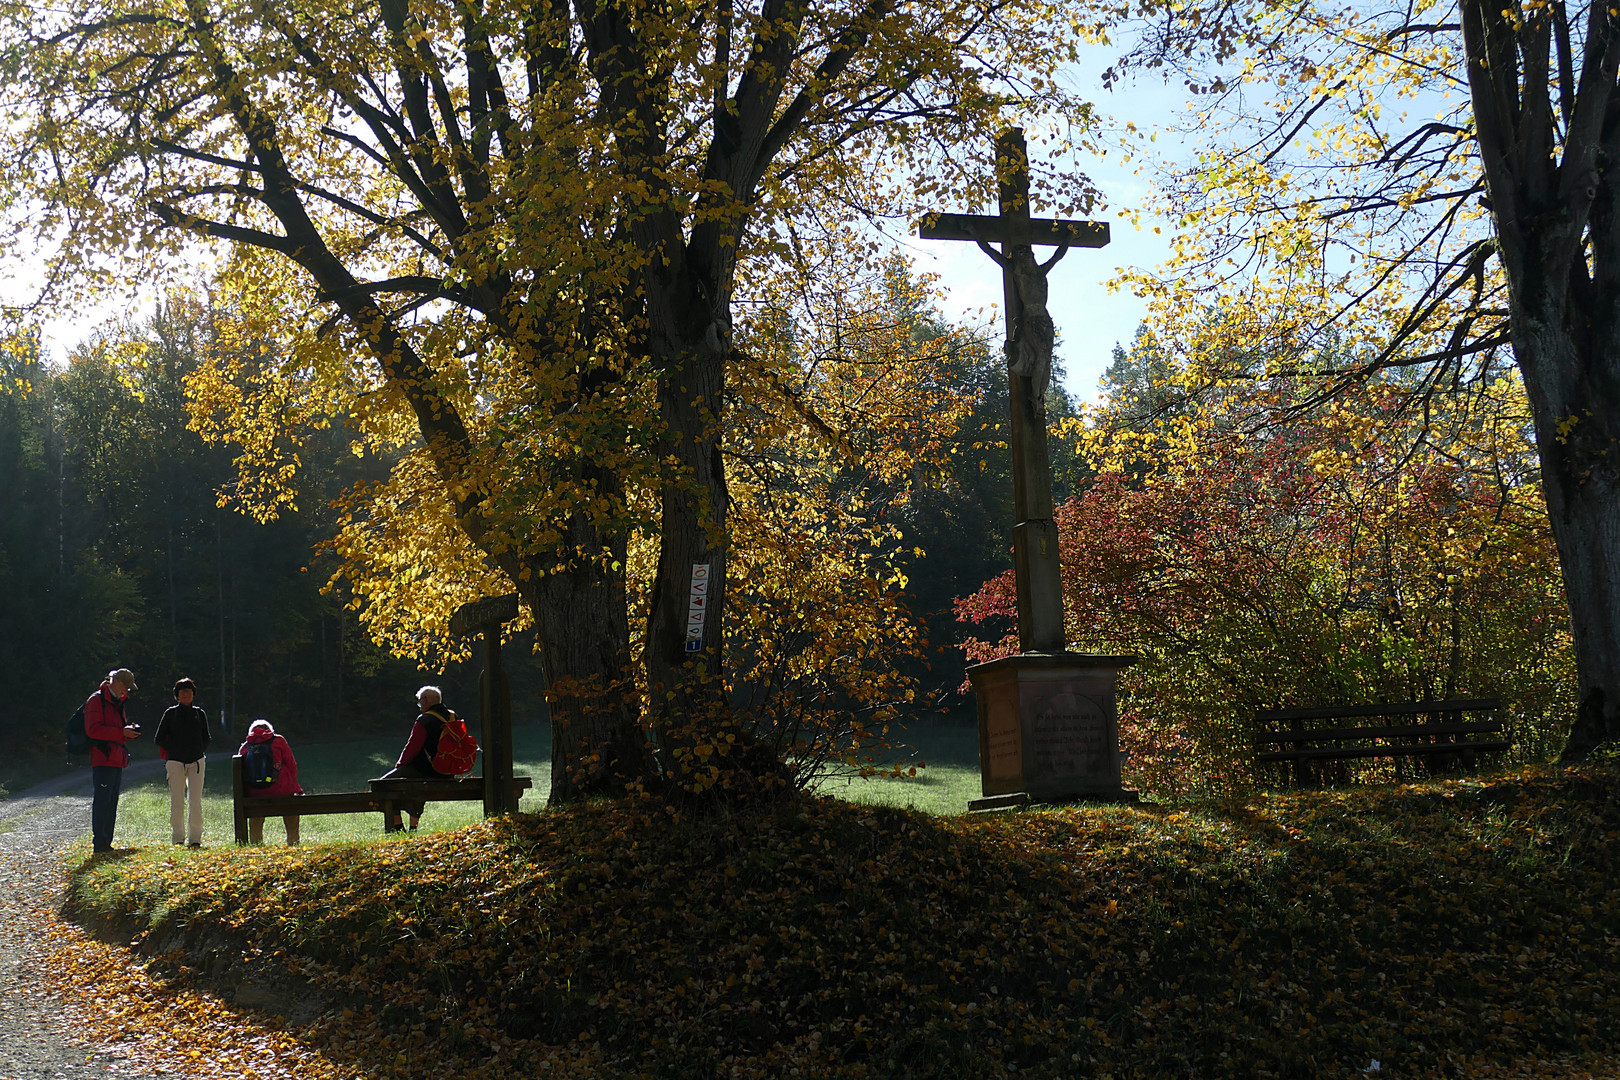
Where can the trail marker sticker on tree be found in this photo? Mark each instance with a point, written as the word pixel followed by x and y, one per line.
pixel 698 607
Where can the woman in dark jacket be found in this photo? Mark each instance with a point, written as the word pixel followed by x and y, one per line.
pixel 182 740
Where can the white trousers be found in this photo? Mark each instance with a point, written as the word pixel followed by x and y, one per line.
pixel 185 786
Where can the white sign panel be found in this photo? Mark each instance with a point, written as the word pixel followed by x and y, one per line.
pixel 698 608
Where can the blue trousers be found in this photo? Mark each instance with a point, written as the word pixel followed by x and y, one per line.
pixel 107 780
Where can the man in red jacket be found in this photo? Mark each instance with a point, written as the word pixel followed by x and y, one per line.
pixel 416 760
pixel 108 731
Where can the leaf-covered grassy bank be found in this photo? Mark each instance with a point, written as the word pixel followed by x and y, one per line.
pixel 1460 928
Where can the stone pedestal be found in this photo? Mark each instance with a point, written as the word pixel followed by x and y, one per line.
pixel 1048 729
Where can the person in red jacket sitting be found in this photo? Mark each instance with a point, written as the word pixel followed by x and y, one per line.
pixel 286 781
pixel 108 731
pixel 416 760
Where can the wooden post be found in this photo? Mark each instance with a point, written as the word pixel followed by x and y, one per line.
pixel 1035 548
pixel 1029 362
pixel 495 719
pixel 1302 768
pixel 494 698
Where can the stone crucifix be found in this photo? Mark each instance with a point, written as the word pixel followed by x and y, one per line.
pixel 1048 718
pixel 1029 369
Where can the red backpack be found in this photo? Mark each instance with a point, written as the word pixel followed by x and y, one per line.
pixel 457 748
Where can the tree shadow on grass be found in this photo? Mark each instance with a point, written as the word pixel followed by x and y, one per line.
pixel 1301 935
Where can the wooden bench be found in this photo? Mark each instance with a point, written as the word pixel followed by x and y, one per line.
pixel 1436 736
pixel 383 796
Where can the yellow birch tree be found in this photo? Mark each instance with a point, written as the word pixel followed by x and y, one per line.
pixel 507 237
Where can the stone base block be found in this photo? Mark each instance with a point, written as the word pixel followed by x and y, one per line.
pixel 1049 729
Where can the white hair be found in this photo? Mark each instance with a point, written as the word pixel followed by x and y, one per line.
pixel 431 694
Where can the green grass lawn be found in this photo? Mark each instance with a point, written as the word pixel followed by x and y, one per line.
pixel 949 749
pixel 143 809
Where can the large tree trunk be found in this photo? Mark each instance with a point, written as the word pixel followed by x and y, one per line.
pixel 1565 342
pixel 692 535
pixel 1574 400
pixel 683 303
pixel 1554 193
pixel 686 662
pixel 706 749
pixel 582 623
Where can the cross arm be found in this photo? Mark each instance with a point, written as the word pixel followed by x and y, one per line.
pixel 1051 232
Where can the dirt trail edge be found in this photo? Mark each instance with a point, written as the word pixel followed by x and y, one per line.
pixel 38 1041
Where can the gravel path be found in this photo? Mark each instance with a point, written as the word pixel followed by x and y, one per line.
pixel 36 1043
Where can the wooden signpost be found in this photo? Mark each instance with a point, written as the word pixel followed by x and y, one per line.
pixel 1048 722
pixel 494 698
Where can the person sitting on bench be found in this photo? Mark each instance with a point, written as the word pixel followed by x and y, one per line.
pixel 277 777
pixel 415 760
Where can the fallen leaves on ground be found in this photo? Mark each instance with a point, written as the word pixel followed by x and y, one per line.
pixel 1454 928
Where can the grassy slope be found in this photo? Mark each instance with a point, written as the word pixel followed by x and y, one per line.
pixel 1442 929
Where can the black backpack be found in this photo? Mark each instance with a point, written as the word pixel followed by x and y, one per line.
pixel 77 741
pixel 259 764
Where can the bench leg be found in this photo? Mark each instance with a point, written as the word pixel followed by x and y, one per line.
pixel 239 801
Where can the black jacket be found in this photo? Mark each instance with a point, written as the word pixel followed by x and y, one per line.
pixel 183 733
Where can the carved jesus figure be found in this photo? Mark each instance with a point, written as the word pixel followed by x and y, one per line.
pixel 1029 346
pixel 1031 333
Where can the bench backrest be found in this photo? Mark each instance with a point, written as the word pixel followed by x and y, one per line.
pixel 1399 708
pixel 1449 712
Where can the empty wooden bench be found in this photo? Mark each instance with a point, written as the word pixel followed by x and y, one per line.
pixel 1442 732
pixel 383 796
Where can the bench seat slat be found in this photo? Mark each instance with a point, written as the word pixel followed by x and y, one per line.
pixel 471 788
pixel 1400 708
pixel 1381 751
pixel 1394 732
pixel 341 802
